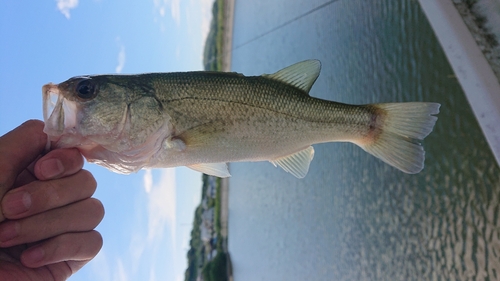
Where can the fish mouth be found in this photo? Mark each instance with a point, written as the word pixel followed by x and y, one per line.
pixel 59 113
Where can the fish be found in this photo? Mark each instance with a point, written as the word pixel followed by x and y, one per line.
pixel 204 120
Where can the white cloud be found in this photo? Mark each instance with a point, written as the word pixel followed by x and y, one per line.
pixel 206 17
pixel 136 249
pixel 148 243
pixel 152 275
pixel 100 266
pixel 161 206
pixel 65 5
pixel 148 180
pixel 102 269
pixel 121 60
pixel 120 273
pixel 175 7
pixel 161 6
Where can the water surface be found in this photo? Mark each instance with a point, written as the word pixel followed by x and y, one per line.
pixel 354 217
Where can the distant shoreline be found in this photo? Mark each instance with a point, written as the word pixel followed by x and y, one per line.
pixel 228 35
pixel 227 46
pixel 226 66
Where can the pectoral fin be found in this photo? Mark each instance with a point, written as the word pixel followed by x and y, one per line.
pixel 212 169
pixel 204 135
pixel 174 144
pixel 296 164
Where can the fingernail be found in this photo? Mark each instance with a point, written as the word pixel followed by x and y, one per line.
pixel 34 255
pixel 16 203
pixel 9 231
pixel 51 168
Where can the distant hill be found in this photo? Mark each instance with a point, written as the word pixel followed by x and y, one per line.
pixel 212 55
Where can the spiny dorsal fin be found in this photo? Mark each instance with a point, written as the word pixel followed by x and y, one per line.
pixel 301 75
pixel 296 164
pixel 212 169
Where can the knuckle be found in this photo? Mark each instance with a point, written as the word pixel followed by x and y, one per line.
pixel 44 194
pixel 51 192
pixel 7 169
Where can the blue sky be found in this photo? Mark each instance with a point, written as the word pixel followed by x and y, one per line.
pixel 149 214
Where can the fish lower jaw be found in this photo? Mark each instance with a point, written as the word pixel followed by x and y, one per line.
pixel 68 141
pixel 59 113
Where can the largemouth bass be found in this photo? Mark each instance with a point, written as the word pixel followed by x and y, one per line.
pixel 203 120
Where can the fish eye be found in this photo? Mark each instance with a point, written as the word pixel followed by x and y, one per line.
pixel 85 89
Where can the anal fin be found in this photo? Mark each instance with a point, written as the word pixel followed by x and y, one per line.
pixel 212 169
pixel 297 163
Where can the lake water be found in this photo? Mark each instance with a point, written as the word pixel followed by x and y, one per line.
pixel 354 217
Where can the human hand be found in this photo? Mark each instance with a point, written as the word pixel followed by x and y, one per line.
pixel 47 216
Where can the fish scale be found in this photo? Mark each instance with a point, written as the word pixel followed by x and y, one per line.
pixel 267 94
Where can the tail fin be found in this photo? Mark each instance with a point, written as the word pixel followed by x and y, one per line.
pixel 404 125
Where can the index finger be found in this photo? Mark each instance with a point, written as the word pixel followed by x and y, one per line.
pixel 58 163
pixel 18 148
pixel 55 164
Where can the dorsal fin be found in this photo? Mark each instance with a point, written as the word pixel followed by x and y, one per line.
pixel 301 75
pixel 297 163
